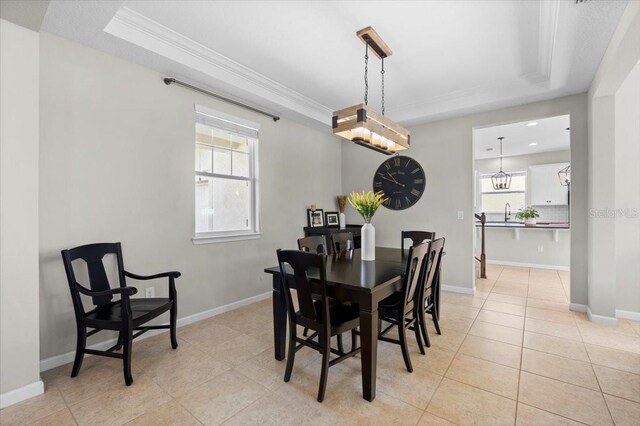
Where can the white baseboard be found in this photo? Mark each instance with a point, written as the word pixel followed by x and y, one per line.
pixel 527 265
pixel 62 359
pixel 456 289
pixel 601 319
pixel 578 307
pixel 20 394
pixel 630 315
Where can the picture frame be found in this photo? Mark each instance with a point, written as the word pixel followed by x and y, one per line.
pixel 315 218
pixel 332 219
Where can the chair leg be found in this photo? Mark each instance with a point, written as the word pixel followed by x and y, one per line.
pixel 354 339
pixel 326 351
pixel 126 361
pixel 80 346
pixel 173 320
pixel 423 327
pixel 120 342
pixel 305 333
pixel 435 315
pixel 402 332
pixel 416 329
pixel 292 351
pixel 340 345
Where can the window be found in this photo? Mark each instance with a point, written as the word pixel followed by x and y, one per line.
pixel 226 178
pixel 493 200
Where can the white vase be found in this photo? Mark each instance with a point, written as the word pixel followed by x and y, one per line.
pixel 343 221
pixel 530 221
pixel 368 242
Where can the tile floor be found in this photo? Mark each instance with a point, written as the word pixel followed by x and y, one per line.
pixel 511 354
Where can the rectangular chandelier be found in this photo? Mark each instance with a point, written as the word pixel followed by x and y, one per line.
pixel 366 127
pixel 360 123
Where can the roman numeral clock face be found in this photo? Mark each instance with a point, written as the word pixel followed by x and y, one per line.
pixel 402 181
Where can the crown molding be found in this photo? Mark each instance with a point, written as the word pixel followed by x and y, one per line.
pixel 136 28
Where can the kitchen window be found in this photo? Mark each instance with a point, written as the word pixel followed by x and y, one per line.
pixel 226 178
pixel 494 200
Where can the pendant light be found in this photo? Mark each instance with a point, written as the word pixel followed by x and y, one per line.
pixel 565 176
pixel 501 180
pixel 360 123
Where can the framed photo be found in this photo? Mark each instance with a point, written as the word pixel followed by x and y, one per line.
pixel 332 219
pixel 315 218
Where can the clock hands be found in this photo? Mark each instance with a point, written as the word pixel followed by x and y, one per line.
pixel 394 180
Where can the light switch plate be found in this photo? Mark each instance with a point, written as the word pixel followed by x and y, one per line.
pixel 149 292
pixel 460 214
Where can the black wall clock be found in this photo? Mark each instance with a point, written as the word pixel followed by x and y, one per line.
pixel 402 181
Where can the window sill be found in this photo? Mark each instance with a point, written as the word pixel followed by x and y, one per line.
pixel 224 238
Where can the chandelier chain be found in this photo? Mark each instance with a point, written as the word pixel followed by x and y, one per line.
pixel 366 74
pixel 382 75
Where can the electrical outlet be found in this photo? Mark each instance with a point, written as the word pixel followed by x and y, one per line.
pixel 540 248
pixel 149 292
pixel 460 215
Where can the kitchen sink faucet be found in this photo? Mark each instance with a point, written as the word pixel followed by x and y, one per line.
pixel 507 207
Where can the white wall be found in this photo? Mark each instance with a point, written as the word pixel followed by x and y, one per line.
pixel 19 342
pixel 612 101
pixel 117 160
pixel 627 193
pixel 444 148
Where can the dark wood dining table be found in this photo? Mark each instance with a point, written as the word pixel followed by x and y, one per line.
pixel 349 279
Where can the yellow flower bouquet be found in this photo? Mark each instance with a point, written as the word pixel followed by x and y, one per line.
pixel 366 203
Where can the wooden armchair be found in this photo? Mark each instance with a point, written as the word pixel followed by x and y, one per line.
pixel 125 315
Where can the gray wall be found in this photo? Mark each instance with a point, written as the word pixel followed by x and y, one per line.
pixel 117 161
pixel 19 343
pixel 444 148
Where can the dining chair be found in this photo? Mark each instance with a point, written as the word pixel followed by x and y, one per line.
pixel 342 242
pixel 316 244
pixel 400 309
pixel 125 315
pixel 325 319
pixel 426 299
pixel 416 237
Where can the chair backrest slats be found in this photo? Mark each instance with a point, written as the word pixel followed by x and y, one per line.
pixel 416 237
pixel 415 267
pixel 342 242
pixel 93 255
pixel 433 261
pixel 316 244
pixel 301 263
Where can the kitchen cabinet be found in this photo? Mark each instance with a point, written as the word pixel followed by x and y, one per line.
pixel 544 185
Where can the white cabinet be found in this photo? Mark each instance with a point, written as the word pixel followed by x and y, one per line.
pixel 544 185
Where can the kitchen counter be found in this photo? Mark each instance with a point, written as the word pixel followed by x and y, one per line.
pixel 521 225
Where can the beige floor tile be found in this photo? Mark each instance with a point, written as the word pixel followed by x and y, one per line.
pixel 239 349
pixel 611 340
pixel 120 406
pixel 33 409
pixel 551 328
pixel 447 341
pixel 429 419
pixel 507 308
pixel 463 404
pixel 614 358
pixel 206 334
pixel 505 298
pixel 543 304
pixel 61 418
pixel 463 311
pixel 556 367
pixel 219 399
pixel 564 399
pixel 266 370
pixel 435 360
pixel 531 416
pixel 451 323
pixel 500 318
pixel 622 327
pixel 550 315
pixel 486 375
pixel 555 298
pixel 491 350
pixel 618 383
pixel 624 412
pixel 555 345
pixel 461 299
pixel 509 290
pixel 500 333
pixel 166 415
pixel 276 410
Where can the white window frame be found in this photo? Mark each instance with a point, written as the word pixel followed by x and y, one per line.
pixel 488 175
pixel 234 235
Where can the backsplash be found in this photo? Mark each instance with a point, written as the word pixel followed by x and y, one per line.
pixel 556 214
